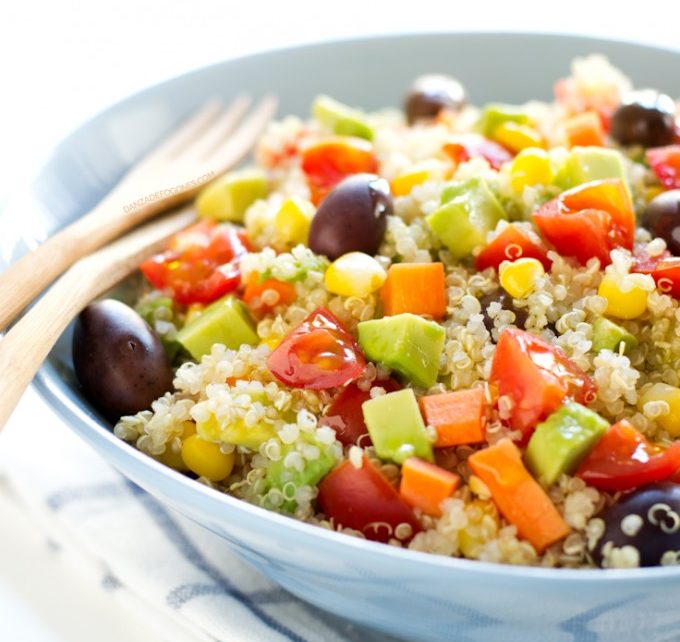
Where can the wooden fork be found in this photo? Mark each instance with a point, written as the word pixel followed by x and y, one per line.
pixel 205 146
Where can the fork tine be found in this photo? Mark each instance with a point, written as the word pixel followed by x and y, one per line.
pixel 243 139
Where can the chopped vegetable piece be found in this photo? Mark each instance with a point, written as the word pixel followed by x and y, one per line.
pixel 665 270
pixel 237 433
pixel 536 377
pixel 226 321
pixel 459 417
pixel 463 147
pixel 518 496
pixel 292 221
pixel 362 499
pixel 584 130
pixel 587 164
pixel 201 263
pixel 624 300
pixel 354 274
pixel 511 244
pixel 607 335
pixel 346 417
pixel 206 459
pixel 419 288
pixel 396 426
pixel 228 197
pixel 319 353
pixel 405 343
pixel 589 221
pixel 531 167
pixel 327 162
pixel 262 296
pixel 424 485
pixel 518 278
pixel 516 137
pixel 403 184
pixel 670 420
pixel 665 161
pixel 560 443
pixel 496 114
pixel 623 459
pixel 341 119
pixel 469 211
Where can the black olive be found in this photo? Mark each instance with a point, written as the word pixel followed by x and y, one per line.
pixel 119 360
pixel 430 94
pixel 352 218
pixel 644 118
pixel 502 297
pixel 648 520
pixel 662 218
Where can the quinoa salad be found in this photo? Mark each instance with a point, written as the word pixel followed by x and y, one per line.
pixel 445 327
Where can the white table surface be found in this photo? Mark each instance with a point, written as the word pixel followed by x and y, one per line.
pixel 61 62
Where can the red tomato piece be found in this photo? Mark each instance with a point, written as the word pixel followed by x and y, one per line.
pixel 201 263
pixel 511 244
pixel 345 416
pixel 665 270
pixel 665 162
pixel 537 377
pixel 589 220
pixel 623 460
pixel 318 354
pixel 327 162
pixel 466 146
pixel 363 499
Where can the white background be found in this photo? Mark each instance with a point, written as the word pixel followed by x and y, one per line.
pixel 61 62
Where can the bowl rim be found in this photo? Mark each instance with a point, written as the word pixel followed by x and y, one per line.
pixel 81 422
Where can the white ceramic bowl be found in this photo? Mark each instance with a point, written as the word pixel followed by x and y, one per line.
pixel 411 595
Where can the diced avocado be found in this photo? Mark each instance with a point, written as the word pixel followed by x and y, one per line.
pixel 585 164
pixel 226 321
pixel 406 343
pixel 469 211
pixel 235 432
pixel 228 197
pixel 561 442
pixel 340 118
pixel 607 335
pixel 495 114
pixel 396 426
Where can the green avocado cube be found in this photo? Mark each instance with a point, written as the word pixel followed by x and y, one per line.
pixel 468 212
pixel 562 441
pixel 586 164
pixel 225 321
pixel 495 114
pixel 396 427
pixel 608 335
pixel 228 197
pixel 340 118
pixel 406 343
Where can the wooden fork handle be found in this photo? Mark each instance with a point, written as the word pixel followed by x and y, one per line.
pixel 30 340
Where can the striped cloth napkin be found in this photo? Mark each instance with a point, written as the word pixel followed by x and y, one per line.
pixel 149 557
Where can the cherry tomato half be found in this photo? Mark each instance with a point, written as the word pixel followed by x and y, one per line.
pixel 665 162
pixel 664 269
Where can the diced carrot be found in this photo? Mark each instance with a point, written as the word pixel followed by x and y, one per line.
pixel 584 130
pixel 252 295
pixel 425 486
pixel 418 288
pixel 459 417
pixel 518 495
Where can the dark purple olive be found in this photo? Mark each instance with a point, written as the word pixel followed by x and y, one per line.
pixel 352 218
pixel 430 94
pixel 662 218
pixel 645 118
pixel 648 520
pixel 119 360
pixel 502 297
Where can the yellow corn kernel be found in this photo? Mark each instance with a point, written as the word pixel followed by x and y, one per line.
pixel 173 456
pixel 624 300
pixel 531 167
pixel 292 221
pixel 517 137
pixel 670 421
pixel 206 459
pixel 403 184
pixel 518 278
pixel 355 274
pixel 272 341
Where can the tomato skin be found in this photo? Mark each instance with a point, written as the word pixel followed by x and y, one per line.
pixel 509 245
pixel 589 220
pixel 318 354
pixel 665 162
pixel 327 162
pixel 537 377
pixel 201 263
pixel 665 270
pixel 346 417
pixel 360 497
pixel 466 146
pixel 624 459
